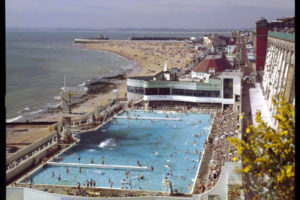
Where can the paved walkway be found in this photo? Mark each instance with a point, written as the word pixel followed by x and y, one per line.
pixel 258 102
pixel 253 100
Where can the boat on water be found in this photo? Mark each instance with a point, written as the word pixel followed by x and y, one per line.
pixel 100 38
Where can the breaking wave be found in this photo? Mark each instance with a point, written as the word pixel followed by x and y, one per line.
pixel 14 119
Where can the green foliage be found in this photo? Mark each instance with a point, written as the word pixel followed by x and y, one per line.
pixel 268 154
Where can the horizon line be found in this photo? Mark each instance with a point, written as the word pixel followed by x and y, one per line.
pixel 130 28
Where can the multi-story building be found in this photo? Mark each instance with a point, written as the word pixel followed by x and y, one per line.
pixel 212 81
pixel 279 69
pixel 263 29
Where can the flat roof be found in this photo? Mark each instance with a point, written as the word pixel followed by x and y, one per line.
pixel 284 36
pixel 20 136
pixel 145 78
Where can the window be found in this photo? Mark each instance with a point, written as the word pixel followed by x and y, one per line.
pixel 196 93
pixel 228 88
pixel 189 92
pixel 151 91
pixel 177 92
pixel 164 91
pixel 237 98
pixel 136 90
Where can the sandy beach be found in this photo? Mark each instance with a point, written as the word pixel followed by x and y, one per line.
pixel 149 58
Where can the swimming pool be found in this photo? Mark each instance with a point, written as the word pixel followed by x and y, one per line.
pixel 171 146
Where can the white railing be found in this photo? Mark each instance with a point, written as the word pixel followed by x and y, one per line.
pixel 145 118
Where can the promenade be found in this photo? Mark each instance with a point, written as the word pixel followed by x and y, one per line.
pixel 253 100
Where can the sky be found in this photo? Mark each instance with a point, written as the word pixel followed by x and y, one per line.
pixel 185 14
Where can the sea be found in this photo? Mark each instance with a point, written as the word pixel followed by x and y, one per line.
pixel 37 60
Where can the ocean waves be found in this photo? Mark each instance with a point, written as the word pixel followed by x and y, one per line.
pixel 14 119
pixel 50 55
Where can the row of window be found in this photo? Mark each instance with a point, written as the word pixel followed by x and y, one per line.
pixel 168 91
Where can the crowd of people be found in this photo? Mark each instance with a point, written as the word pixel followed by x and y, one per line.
pixel 225 125
pixel 151 55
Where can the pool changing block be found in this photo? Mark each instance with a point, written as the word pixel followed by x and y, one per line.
pixel 98 166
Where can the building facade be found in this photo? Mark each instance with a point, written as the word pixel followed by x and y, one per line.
pixel 279 70
pixel 224 88
pixel 261 43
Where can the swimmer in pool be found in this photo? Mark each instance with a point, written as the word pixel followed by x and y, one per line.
pixel 142 177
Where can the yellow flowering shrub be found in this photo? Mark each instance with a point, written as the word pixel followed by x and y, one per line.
pixel 268 154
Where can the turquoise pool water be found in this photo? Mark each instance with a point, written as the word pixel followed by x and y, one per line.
pixel 167 145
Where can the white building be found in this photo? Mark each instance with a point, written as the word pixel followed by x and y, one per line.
pixel 213 81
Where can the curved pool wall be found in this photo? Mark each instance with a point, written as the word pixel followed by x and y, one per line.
pixel 163 144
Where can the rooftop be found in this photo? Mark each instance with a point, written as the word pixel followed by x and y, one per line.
pixel 219 63
pixel 145 78
pixel 261 19
pixel 20 136
pixel 284 36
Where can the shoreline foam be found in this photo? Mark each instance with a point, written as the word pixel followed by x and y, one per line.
pixel 147 57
